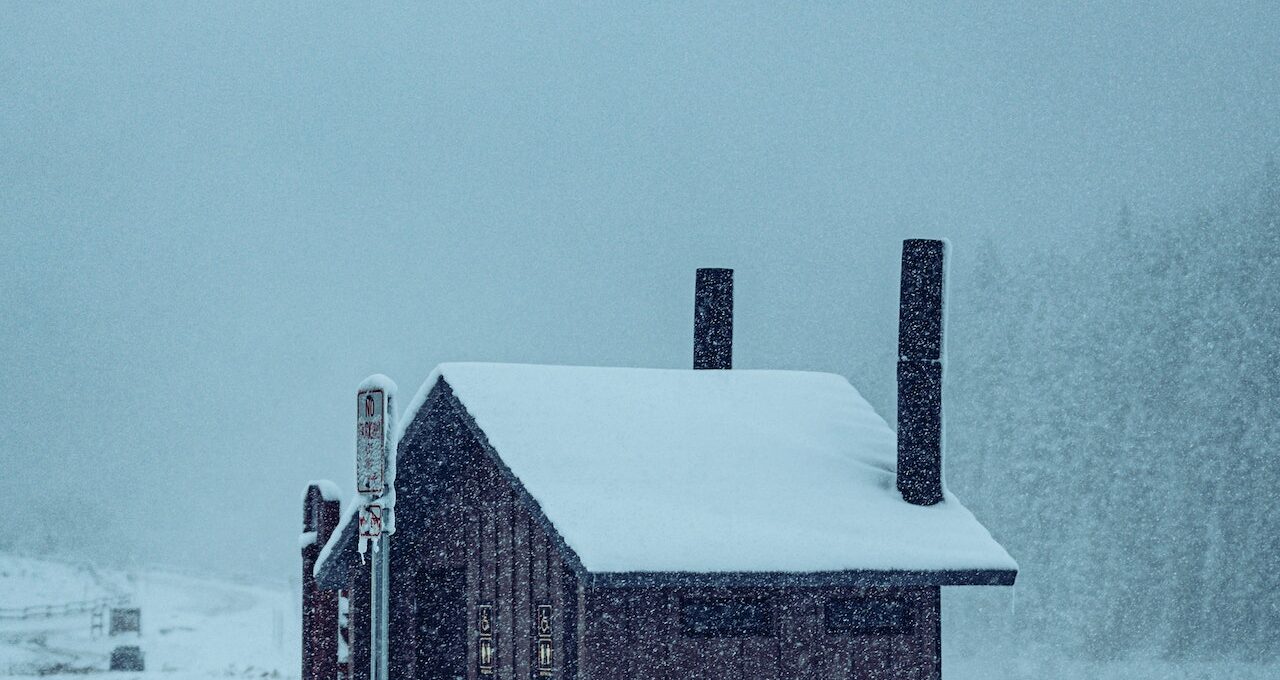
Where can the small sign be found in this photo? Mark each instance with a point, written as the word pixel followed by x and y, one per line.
pixel 546 659
pixel 125 621
pixel 371 442
pixel 484 626
pixel 371 522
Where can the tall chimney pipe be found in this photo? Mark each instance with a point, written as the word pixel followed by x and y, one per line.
pixel 920 350
pixel 713 319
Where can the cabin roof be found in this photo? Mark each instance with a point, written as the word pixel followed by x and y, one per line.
pixel 664 471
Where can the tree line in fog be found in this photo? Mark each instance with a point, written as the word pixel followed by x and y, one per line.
pixel 1114 417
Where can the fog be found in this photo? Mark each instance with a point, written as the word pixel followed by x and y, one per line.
pixel 216 220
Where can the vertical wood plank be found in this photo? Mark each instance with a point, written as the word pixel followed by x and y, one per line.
pixel 360 622
pixel 572 624
pixel 488 568
pixel 538 584
pixel 538 566
pixel 472 553
pixel 641 633
pixel 555 592
pixel 581 634
pixel 684 655
pixel 608 609
pixel 816 649
pixel 789 649
pixel 503 601
pixel 522 592
pixel 589 657
pixel 760 654
pixel 669 629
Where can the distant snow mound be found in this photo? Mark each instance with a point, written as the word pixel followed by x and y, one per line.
pixel 54 621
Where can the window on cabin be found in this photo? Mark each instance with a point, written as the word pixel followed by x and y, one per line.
pixel 726 617
pixel 870 616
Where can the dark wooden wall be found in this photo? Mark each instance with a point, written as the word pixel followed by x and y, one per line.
pixel 479 535
pixel 319 607
pixel 359 623
pixel 636 633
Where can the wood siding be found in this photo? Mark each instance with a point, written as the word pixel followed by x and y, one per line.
pixel 360 623
pixel 636 634
pixel 481 530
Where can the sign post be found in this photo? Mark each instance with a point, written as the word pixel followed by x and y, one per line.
pixel 375 477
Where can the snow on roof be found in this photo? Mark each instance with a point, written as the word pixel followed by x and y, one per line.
pixel 655 470
pixel 348 512
pixel 328 490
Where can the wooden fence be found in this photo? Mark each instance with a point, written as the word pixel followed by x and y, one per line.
pixel 48 611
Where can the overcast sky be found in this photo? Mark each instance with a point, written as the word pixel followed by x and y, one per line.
pixel 216 219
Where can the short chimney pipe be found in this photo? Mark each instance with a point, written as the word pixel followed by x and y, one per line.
pixel 921 348
pixel 713 319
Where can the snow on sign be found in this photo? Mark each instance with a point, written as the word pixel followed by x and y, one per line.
pixel 370 528
pixel 371 441
pixel 371 521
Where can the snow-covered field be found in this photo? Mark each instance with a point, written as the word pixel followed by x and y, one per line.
pixel 191 626
pixel 196 627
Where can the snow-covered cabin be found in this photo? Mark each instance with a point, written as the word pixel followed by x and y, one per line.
pixel 602 523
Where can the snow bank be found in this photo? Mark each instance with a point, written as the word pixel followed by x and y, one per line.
pixel 712 471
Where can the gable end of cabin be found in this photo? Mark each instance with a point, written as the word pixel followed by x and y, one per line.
pixel 479 569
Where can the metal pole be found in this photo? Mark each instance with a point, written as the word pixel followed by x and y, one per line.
pixel 375 475
pixel 378 590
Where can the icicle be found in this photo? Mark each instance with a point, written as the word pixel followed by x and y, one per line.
pixel 1013 600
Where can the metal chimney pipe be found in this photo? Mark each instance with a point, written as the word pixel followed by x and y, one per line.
pixel 713 319
pixel 920 352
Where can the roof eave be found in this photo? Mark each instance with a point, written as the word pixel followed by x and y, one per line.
pixel 334 572
pixel 853 578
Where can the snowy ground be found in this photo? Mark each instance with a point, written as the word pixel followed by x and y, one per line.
pixel 200 628
pixel 191 626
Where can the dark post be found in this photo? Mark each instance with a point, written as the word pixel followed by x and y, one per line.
pixel 319 607
pixel 359 622
pixel 713 319
pixel 920 349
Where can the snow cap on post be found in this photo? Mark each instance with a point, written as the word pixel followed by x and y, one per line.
pixel 713 319
pixel 921 348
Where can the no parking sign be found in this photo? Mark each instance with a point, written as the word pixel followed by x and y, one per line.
pixel 371 441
